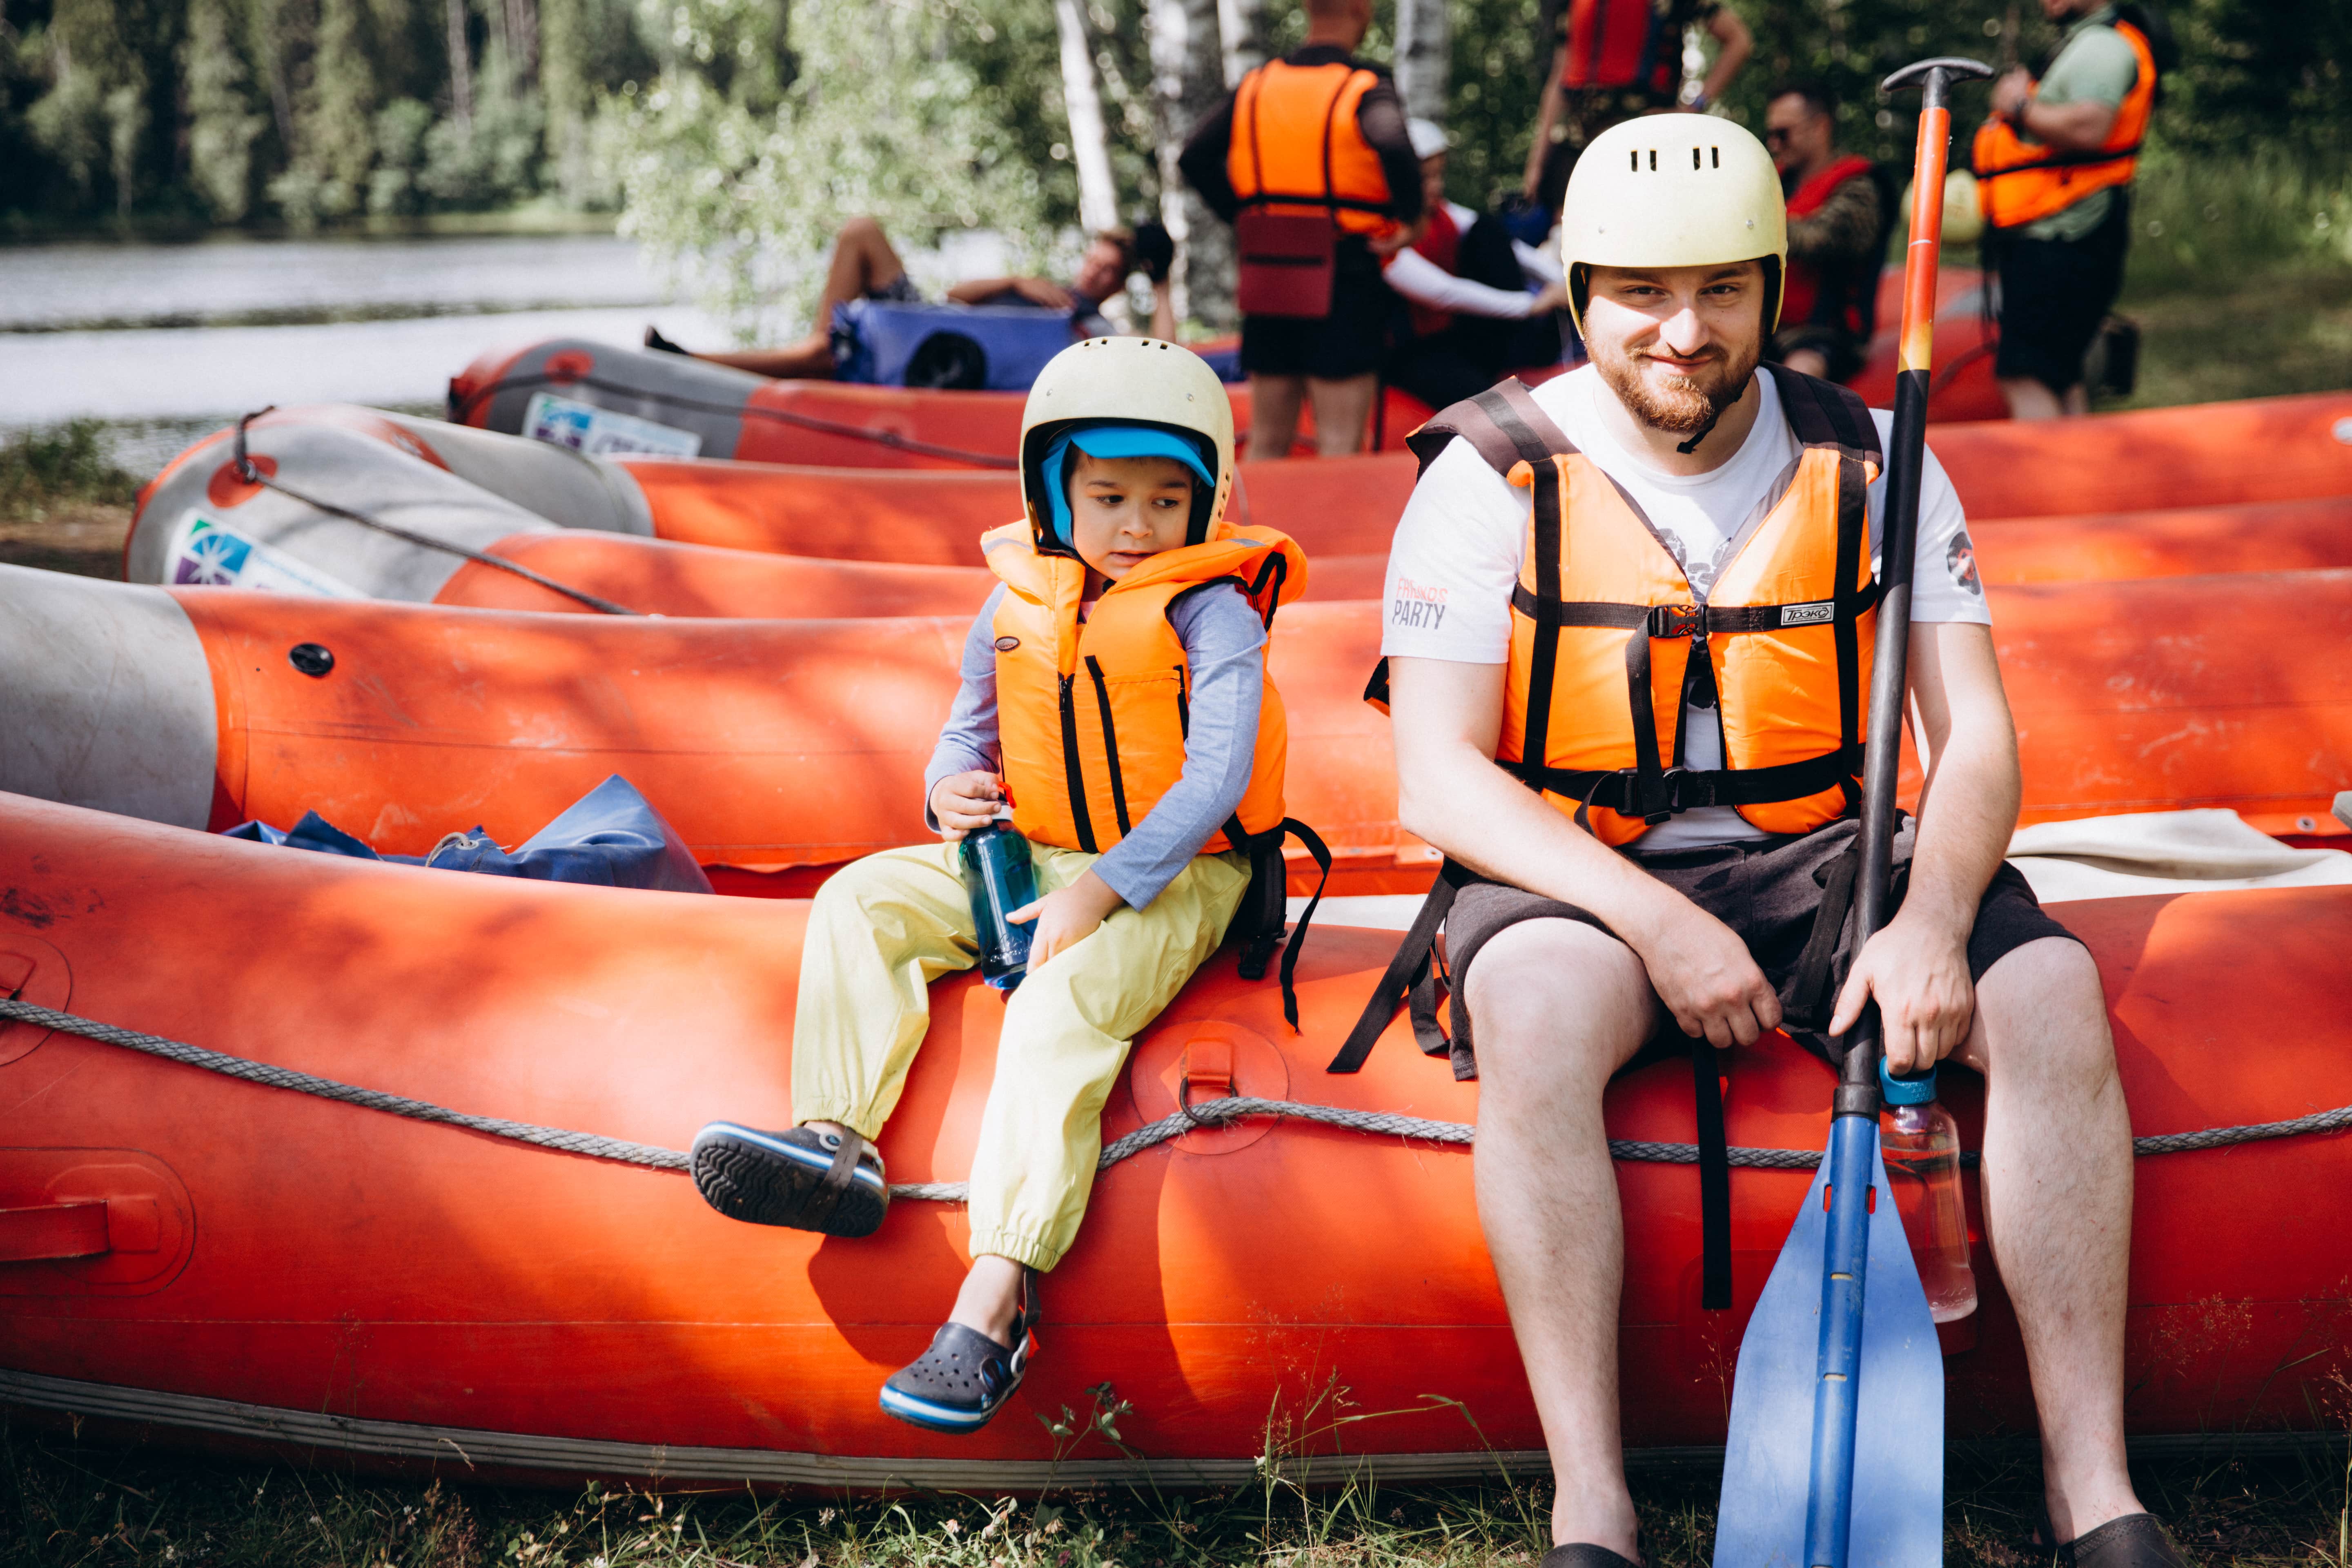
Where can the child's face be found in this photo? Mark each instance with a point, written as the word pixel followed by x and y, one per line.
pixel 1123 509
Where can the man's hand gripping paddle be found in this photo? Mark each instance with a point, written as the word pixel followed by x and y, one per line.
pixel 1836 1450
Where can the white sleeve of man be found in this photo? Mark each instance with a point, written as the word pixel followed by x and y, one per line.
pixel 1424 282
pixel 1945 583
pixel 1453 563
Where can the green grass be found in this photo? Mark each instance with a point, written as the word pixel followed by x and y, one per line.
pixel 65 505
pixel 64 1504
pixel 2241 278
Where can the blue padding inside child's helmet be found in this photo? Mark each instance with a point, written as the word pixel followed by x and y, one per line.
pixel 1109 441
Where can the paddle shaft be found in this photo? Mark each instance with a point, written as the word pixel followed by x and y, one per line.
pixel 1853 1130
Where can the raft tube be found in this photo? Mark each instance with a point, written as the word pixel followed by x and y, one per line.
pixel 203 1262
pixel 802 744
pixel 601 398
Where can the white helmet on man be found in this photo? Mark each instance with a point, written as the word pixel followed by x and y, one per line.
pixel 1673 190
pixel 1128 380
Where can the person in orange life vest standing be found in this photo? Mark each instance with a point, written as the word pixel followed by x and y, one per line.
pixel 1616 59
pixel 1125 588
pixel 2053 166
pixel 1316 139
pixel 1626 636
pixel 1839 220
pixel 1477 303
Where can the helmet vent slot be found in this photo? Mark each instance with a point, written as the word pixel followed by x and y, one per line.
pixel 1653 160
pixel 1693 157
pixel 1715 157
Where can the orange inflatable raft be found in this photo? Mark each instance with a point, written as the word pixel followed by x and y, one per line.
pixel 189 1258
pixel 782 743
pixel 487 491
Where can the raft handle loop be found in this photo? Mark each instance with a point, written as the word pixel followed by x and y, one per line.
pixel 1212 1114
pixel 251 473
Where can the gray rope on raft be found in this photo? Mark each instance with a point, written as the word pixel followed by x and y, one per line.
pixel 1210 1114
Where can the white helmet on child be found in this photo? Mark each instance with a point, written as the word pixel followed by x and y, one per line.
pixel 1128 380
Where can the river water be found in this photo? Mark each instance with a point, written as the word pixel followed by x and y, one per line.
pixel 167 342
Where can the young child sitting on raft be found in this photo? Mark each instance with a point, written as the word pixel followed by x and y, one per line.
pixel 1115 694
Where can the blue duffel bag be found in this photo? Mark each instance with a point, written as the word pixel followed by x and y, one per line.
pixel 968 348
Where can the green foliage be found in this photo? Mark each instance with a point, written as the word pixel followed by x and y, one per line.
pixel 221 124
pixel 1500 51
pixel 41 470
pixel 881 117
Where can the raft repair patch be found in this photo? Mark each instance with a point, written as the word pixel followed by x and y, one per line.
pixel 1961 557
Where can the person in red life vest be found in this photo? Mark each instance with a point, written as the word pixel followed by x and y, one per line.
pixel 1149 826
pixel 1309 160
pixel 1839 217
pixel 2053 166
pixel 1628 632
pixel 1478 303
pixel 1618 58
pixel 865 266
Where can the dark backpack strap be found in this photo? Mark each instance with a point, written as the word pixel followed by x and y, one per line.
pixel 1823 414
pixel 1408 969
pixel 1260 921
pixel 1502 423
pixel 1714 1180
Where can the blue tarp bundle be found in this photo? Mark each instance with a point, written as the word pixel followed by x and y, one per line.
pixel 999 348
pixel 609 838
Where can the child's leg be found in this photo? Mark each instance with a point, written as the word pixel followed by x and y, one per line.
pixel 879 931
pixel 1065 1037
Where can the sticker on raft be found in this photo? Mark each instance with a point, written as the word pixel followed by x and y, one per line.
pixel 600 432
pixel 206 554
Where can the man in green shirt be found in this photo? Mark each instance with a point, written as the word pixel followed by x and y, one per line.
pixel 2062 215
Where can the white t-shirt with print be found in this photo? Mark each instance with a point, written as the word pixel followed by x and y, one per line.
pixel 1458 548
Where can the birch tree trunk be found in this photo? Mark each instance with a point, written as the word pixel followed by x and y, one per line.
pixel 1242 25
pixel 1425 56
pixel 461 68
pixel 1082 100
pixel 1188 81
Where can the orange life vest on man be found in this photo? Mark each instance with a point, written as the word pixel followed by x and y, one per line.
pixel 1298 150
pixel 2020 181
pixel 1092 716
pixel 1610 643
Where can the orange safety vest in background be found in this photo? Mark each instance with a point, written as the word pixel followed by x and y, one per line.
pixel 1779 647
pixel 1621 44
pixel 2020 181
pixel 1092 718
pixel 1296 149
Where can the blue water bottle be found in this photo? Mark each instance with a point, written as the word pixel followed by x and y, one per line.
pixel 999 878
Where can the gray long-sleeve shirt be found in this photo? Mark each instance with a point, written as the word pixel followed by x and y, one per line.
pixel 1225 646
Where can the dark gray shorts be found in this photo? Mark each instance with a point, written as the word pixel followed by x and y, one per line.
pixel 1770 892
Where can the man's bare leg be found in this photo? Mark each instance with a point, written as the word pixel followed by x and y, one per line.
pixel 2029 399
pixel 1275 402
pixel 1343 409
pixel 1558 1007
pixel 2057 1205
pixel 862 263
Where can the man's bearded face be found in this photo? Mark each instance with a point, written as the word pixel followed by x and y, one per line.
pixel 1677 346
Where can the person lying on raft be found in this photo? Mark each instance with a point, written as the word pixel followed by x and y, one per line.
pixel 864 266
pixel 1124 579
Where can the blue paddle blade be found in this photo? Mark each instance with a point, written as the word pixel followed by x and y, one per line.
pixel 1898 1467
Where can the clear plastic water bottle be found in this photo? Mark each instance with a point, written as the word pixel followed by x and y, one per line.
pixel 1922 1150
pixel 999 878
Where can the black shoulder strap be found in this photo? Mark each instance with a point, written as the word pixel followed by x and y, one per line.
pixel 1823 414
pixel 1502 422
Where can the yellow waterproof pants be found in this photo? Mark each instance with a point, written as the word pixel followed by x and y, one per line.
pixel 884 927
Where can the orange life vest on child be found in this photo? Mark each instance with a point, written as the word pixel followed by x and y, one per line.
pixel 1610 643
pixel 1092 717
pixel 2020 181
pixel 1298 151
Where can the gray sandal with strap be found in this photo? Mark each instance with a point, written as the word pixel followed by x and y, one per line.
pixel 831 1183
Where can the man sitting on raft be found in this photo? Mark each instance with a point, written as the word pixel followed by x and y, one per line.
pixel 1638 870
pixel 1125 585
pixel 864 266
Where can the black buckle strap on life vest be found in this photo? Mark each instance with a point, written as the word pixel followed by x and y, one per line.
pixel 1674 790
pixel 1808 985
pixel 1409 969
pixel 1823 414
pixel 1265 907
pixel 1502 424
